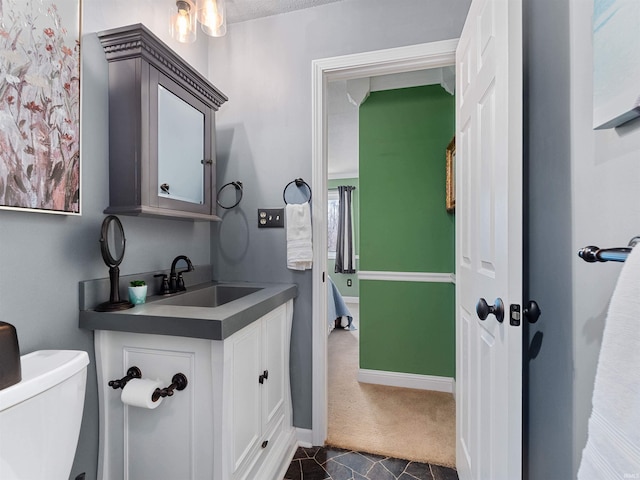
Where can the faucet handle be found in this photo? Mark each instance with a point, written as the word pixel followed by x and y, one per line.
pixel 164 289
pixel 180 287
pixel 180 283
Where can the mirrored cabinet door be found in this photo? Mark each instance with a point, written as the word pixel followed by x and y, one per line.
pixel 181 157
pixel 184 148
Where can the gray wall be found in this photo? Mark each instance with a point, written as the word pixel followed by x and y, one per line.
pixel 264 132
pixel 583 191
pixel 52 253
pixel 551 253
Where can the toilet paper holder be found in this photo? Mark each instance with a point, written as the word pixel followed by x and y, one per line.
pixel 178 382
pixel 133 372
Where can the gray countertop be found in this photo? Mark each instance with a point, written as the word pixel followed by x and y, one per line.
pixel 213 323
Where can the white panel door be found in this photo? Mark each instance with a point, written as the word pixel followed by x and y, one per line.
pixel 489 242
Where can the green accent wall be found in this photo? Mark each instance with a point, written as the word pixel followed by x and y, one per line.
pixel 406 327
pixel 340 279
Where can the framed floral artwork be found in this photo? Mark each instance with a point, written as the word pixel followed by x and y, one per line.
pixel 40 105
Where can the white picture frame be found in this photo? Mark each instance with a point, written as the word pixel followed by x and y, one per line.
pixel 40 106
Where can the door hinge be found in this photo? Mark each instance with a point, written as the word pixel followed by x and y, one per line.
pixel 514 315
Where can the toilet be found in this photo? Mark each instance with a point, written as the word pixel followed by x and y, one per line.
pixel 40 416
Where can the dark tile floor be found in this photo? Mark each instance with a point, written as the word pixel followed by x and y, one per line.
pixel 328 463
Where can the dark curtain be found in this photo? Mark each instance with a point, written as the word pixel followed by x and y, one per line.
pixel 345 259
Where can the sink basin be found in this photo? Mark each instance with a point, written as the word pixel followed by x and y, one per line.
pixel 212 296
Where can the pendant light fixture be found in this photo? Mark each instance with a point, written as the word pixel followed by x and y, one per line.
pixel 212 17
pixel 183 21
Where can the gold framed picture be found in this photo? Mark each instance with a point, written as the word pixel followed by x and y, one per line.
pixel 451 176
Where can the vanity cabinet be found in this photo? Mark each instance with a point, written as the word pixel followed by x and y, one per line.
pixel 161 129
pixel 233 421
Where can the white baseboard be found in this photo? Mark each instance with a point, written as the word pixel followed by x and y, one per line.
pixel 406 380
pixel 351 299
pixel 305 437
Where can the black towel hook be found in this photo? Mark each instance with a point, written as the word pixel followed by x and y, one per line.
pixel 299 183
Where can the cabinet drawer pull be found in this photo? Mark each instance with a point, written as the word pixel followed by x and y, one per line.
pixel 264 444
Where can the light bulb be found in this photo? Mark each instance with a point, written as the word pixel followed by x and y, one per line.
pixel 211 16
pixel 183 27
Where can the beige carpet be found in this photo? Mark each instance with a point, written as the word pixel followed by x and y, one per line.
pixel 404 423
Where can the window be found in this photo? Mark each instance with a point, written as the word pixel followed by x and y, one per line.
pixel 332 222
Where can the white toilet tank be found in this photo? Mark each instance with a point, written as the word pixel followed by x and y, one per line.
pixel 40 416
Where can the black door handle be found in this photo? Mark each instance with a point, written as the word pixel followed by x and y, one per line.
pixel 483 309
pixel 532 312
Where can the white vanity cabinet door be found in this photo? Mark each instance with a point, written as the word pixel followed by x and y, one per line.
pixel 260 376
pixel 245 401
pixel 275 345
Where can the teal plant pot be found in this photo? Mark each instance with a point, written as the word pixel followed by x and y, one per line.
pixel 138 295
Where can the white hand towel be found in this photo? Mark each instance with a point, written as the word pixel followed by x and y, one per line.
pixel 613 444
pixel 299 246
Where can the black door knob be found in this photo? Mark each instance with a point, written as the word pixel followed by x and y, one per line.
pixel 483 309
pixel 532 312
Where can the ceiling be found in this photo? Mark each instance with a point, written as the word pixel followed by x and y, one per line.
pixel 243 10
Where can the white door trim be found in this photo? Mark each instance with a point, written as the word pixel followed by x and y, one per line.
pixel 380 62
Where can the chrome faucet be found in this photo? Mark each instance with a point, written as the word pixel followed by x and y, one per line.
pixel 176 282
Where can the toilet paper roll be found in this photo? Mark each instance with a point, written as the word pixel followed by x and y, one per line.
pixel 138 391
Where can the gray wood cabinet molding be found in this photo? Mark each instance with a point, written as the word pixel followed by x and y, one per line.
pixel 138 41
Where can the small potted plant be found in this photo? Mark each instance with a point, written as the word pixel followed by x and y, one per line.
pixel 137 292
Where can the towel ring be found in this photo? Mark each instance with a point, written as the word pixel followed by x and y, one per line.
pixel 299 183
pixel 238 186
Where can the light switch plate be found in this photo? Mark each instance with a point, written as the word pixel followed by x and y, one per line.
pixel 271 218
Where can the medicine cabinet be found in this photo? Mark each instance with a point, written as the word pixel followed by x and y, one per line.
pixel 161 129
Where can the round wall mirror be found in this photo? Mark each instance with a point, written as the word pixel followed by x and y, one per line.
pixel 112 246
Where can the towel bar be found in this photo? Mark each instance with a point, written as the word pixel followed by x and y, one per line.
pixel 238 189
pixel 594 254
pixel 299 183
